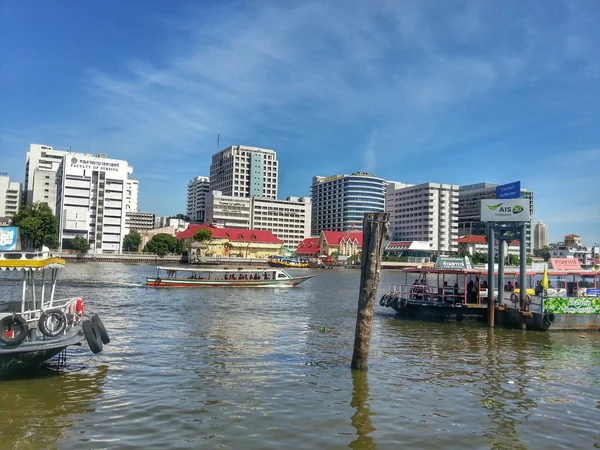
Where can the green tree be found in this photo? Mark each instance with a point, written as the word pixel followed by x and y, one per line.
pixel 203 235
pixel 162 244
pixel 543 252
pixel 131 242
pixel 80 244
pixel 37 224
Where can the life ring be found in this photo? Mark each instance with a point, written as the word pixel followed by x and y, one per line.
pixel 101 330
pixel 389 300
pixel 549 317
pixel 157 281
pixel 383 299
pixel 92 336
pixel 13 329
pixel 514 298
pixel 52 323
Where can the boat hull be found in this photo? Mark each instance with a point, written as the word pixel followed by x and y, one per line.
pixel 287 265
pixel 191 283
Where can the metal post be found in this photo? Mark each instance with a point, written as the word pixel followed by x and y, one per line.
pixel 523 267
pixel 500 271
pixel 490 279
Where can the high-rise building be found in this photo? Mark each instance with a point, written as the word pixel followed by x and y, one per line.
pixel 136 220
pixel 425 212
pixel 469 209
pixel 540 236
pixel 242 171
pixel 41 164
pixel 197 193
pixel 91 201
pixel 132 187
pixel 288 219
pixel 340 201
pixel 10 199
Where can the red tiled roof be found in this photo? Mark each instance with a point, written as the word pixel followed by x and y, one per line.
pixel 571 235
pixel 334 237
pixel 480 239
pixel 233 234
pixel 309 246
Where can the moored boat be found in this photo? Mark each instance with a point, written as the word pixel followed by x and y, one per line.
pixel 36 326
pixel 288 261
pixel 170 276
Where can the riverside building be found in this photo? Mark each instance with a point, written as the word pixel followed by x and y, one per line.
pixel 540 236
pixel 469 209
pixel 339 202
pixel 197 193
pixel 242 171
pixel 41 165
pixel 425 213
pixel 10 199
pixel 91 201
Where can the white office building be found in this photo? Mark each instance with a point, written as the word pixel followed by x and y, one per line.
pixel 540 236
pixel 288 219
pixel 41 165
pixel 10 199
pixel 339 202
pixel 136 220
pixel 91 198
pixel 132 188
pixel 197 193
pixel 242 171
pixel 425 212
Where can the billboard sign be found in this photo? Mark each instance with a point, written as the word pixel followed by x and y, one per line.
pixel 514 210
pixel 565 264
pixel 510 190
pixel 572 305
pixel 8 238
pixel 447 263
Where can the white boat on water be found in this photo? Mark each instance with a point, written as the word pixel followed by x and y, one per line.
pixel 35 326
pixel 171 276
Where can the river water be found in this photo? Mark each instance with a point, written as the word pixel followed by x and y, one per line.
pixel 269 369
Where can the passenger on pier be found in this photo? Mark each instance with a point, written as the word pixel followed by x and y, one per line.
pixel 539 289
pixel 517 286
pixel 484 284
pixel 472 291
pixel 509 287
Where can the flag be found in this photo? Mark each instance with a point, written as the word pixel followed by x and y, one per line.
pixel 544 283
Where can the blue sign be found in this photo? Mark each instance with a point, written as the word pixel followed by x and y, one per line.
pixel 593 291
pixel 510 190
pixel 8 238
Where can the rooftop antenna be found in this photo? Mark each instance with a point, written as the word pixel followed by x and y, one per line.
pixel 218 140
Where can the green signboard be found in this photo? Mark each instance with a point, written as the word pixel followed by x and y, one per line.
pixel 572 305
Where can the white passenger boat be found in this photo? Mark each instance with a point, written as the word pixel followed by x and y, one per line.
pixel 169 276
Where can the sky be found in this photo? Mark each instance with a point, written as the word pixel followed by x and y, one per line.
pixel 455 92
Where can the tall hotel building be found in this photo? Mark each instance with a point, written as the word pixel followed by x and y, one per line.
pixel 10 199
pixel 469 209
pixel 540 236
pixel 92 201
pixel 241 171
pixel 340 201
pixel 41 165
pixel 425 212
pixel 197 194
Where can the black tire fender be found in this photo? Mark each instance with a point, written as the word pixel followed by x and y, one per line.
pixel 549 317
pixel 18 326
pixel 383 299
pixel 101 330
pixel 395 301
pixel 54 316
pixel 389 300
pixel 157 281
pixel 403 303
pixel 92 336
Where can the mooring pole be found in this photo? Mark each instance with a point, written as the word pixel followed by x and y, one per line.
pixel 500 271
pixel 523 267
pixel 375 226
pixel 490 278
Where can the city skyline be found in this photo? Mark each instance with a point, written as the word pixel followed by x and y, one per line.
pixel 412 92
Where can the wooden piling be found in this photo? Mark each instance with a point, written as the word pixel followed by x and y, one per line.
pixel 375 227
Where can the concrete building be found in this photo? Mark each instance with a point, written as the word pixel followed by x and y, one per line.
pixel 469 209
pixel 242 171
pixel 10 199
pixel 131 194
pixel 425 212
pixel 41 165
pixel 136 220
pixel 197 192
pixel 288 219
pixel 91 196
pixel 572 240
pixel 165 221
pixel 478 244
pixel 540 236
pixel 340 201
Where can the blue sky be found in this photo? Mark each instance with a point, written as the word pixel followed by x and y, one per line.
pixel 455 92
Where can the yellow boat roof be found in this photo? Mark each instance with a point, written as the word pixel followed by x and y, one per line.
pixel 50 262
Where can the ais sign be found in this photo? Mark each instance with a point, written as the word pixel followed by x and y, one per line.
pixel 8 238
pixel 496 210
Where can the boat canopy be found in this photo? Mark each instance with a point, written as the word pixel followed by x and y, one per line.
pixel 31 264
pixel 210 269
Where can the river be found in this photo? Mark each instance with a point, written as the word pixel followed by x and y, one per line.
pixel 269 369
